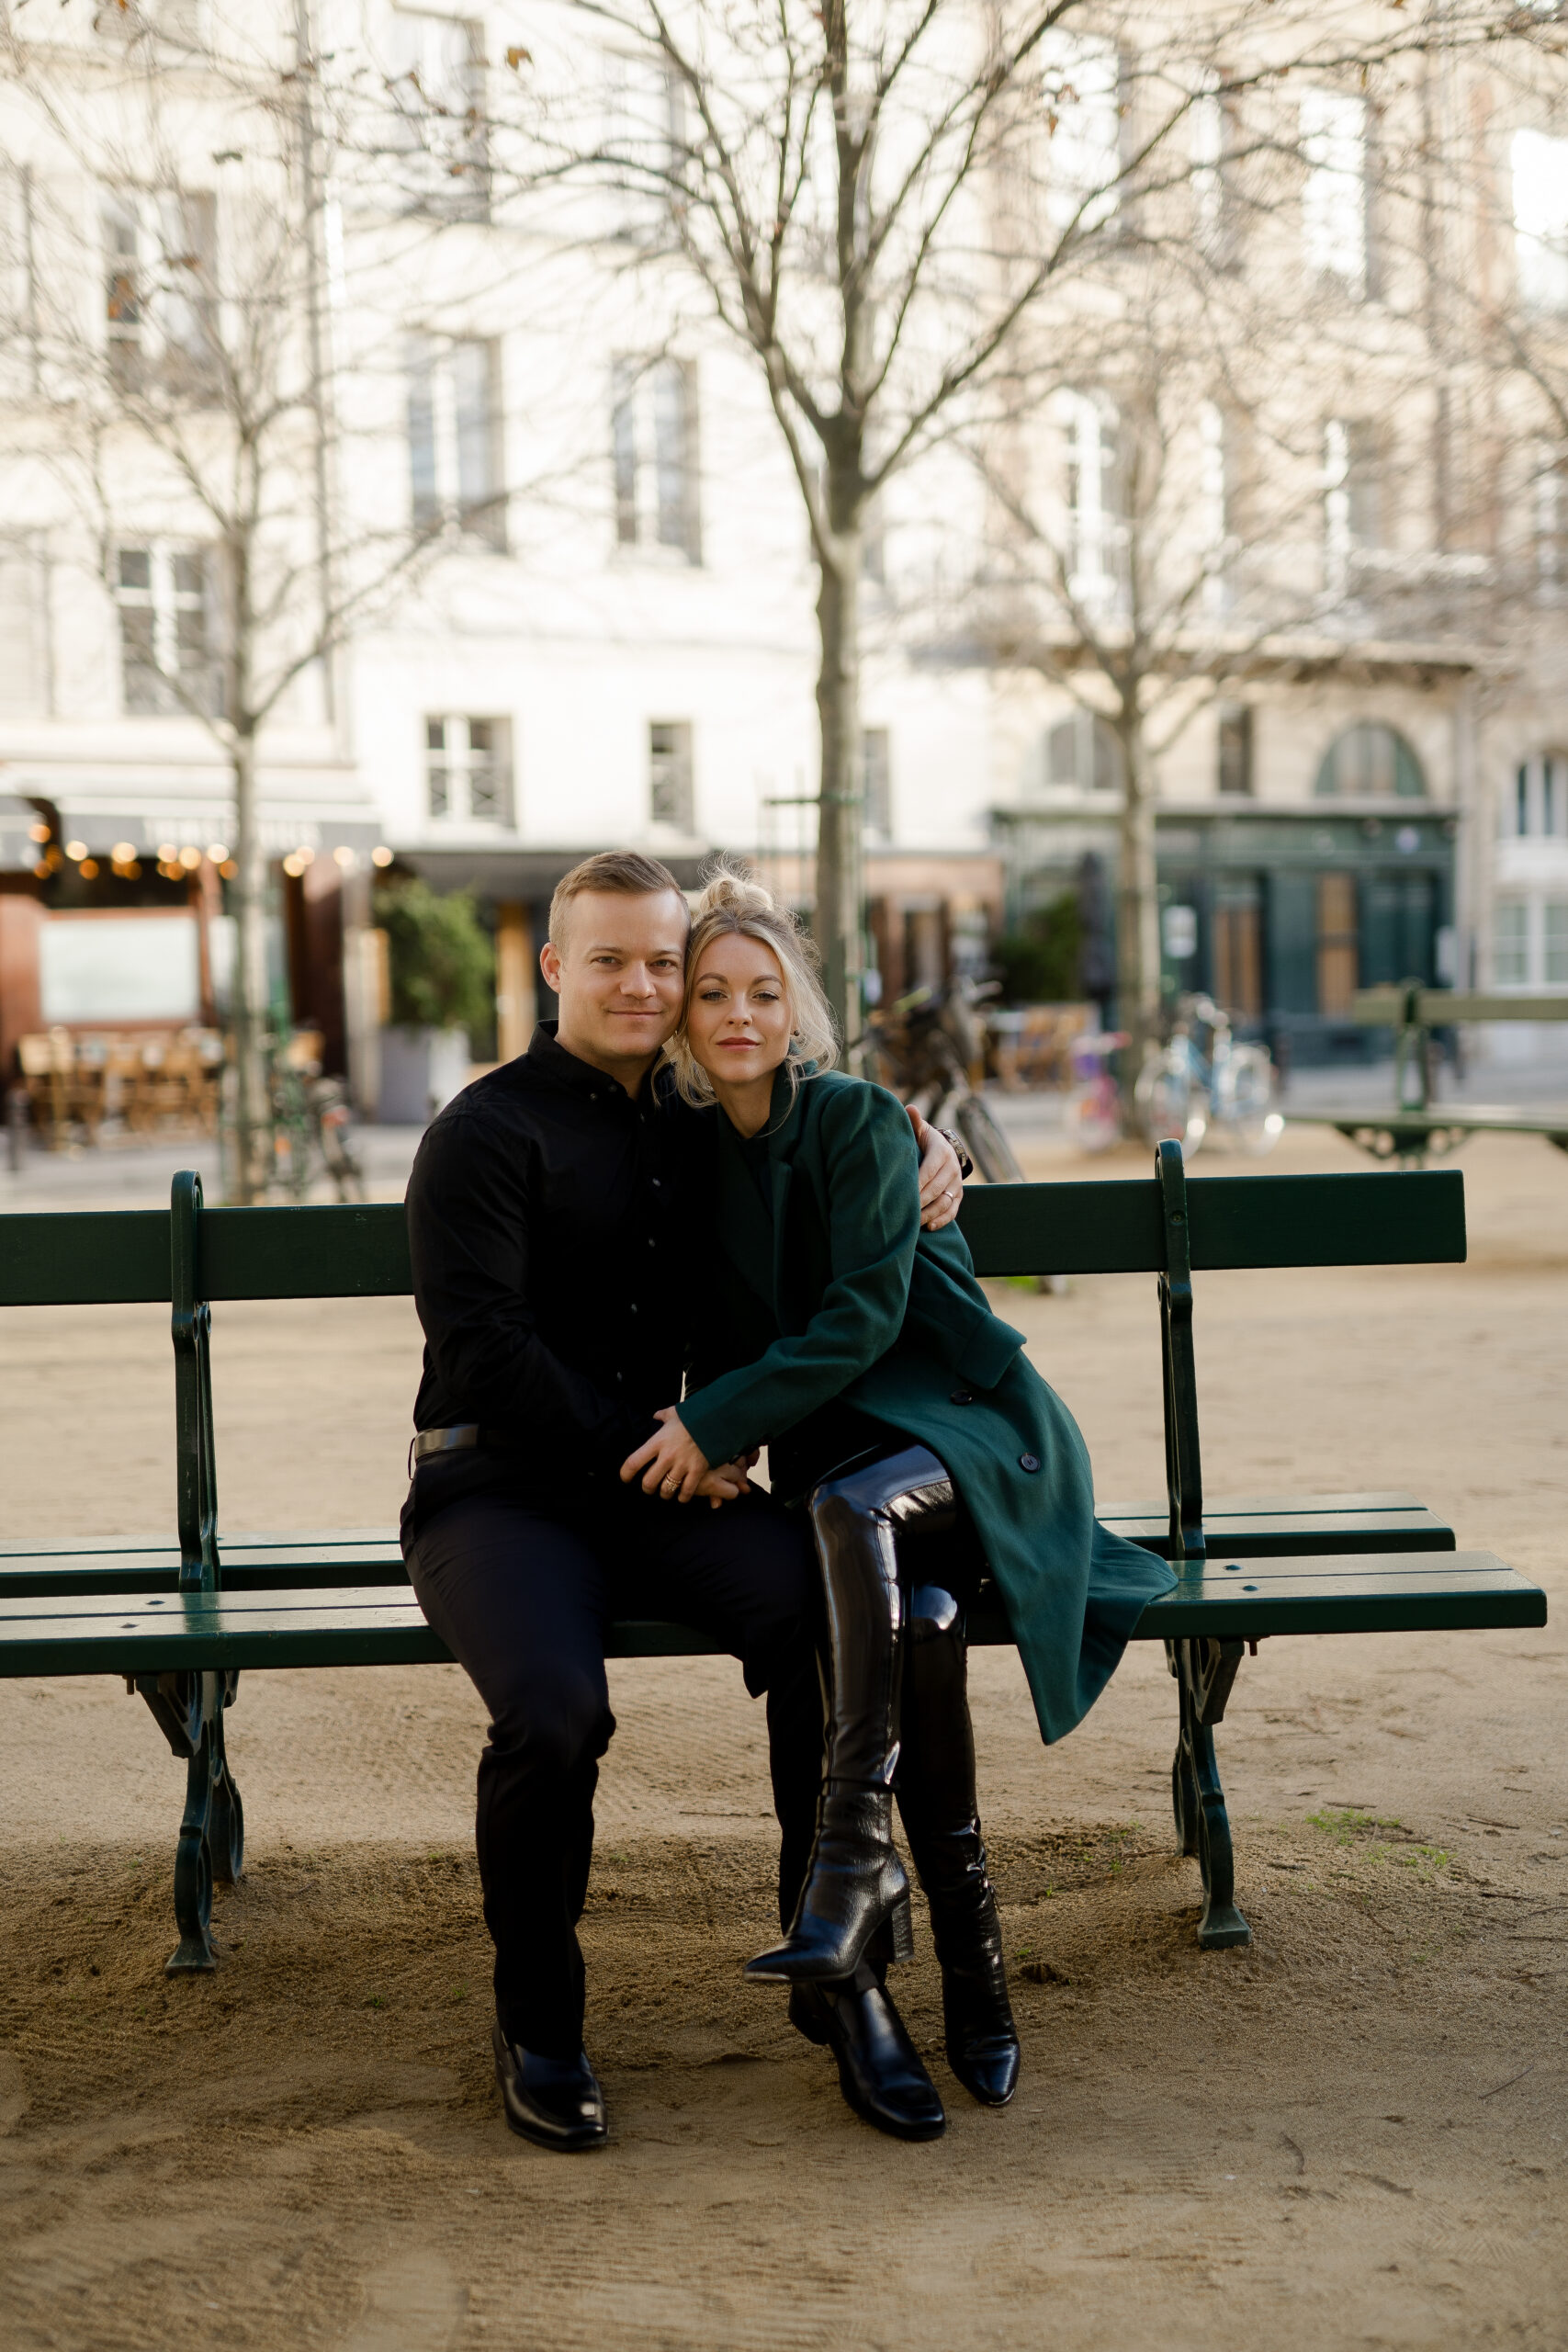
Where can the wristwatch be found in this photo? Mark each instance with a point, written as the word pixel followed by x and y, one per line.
pixel 965 1165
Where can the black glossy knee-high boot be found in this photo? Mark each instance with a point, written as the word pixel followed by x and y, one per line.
pixel 856 1883
pixel 940 1810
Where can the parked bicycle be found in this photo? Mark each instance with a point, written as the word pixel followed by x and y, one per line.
pixel 311 1124
pixel 1188 1094
pixel 928 1045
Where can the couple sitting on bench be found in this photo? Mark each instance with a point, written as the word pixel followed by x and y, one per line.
pixel 673 1191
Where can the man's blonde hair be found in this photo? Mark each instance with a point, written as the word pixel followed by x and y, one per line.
pixel 731 903
pixel 624 870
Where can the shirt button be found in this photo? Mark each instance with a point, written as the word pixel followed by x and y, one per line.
pixel 633 1307
pixel 961 1397
pixel 1029 1461
pixel 651 1243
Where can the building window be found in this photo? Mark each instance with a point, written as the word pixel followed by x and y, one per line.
pixel 653 433
pixel 1213 143
pixel 1511 945
pixel 670 773
pixel 1540 166
pixel 1554 942
pixel 1549 522
pixel 24 628
pixel 1081 89
pixel 1096 527
pixel 176 22
pixel 1234 732
pixel 645 145
pixel 435 83
pixel 876 784
pixel 160 292
pixel 168 632
pixel 1353 518
pixel 1369 762
pixel 455 440
pixel 1538 803
pixel 1082 752
pixel 1334 199
pixel 469 770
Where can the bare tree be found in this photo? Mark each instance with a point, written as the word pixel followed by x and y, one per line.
pixel 174 362
pixel 881 200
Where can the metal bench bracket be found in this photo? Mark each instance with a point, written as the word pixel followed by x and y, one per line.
pixel 188 1708
pixel 1204 1671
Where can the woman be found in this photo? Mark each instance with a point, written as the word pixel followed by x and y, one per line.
pixel 865 1354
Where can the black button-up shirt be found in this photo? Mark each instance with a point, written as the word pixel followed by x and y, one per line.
pixel 547 1228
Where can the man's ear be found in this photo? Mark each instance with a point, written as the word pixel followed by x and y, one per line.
pixel 549 965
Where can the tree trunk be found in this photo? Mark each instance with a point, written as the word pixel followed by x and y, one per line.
pixel 1137 904
pixel 249 998
pixel 841 885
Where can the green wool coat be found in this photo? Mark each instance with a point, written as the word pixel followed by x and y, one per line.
pixel 870 1309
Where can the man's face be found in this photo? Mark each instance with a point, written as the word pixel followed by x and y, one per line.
pixel 618 973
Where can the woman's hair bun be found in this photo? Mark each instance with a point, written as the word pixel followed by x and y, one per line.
pixel 732 892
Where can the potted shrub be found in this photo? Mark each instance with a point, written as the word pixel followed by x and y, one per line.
pixel 441 966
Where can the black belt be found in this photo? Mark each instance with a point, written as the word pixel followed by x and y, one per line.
pixel 426 1444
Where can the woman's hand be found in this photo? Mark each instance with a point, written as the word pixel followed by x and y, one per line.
pixel 941 1178
pixel 672 1465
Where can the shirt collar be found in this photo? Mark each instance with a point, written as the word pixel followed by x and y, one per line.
pixel 551 1057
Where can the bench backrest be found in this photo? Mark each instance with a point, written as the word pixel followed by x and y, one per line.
pixel 1391 1006
pixel 105 1256
pixel 190 1256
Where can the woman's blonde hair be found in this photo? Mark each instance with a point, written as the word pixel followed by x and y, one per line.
pixel 731 902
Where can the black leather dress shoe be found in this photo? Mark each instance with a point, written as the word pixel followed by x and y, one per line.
pixel 555 2102
pixel 880 2072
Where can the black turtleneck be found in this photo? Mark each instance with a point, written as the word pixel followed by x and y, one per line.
pixel 546 1226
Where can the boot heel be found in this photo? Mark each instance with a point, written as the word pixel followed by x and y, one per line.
pixel 901 1929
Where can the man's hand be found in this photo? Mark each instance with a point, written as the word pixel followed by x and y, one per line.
pixel 942 1179
pixel 725 1483
pixel 672 1466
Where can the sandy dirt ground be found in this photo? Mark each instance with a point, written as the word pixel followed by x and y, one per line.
pixel 1353 2133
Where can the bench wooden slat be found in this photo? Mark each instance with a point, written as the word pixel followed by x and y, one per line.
pixel 1410 1218
pixel 1259 1535
pixel 1252 1526
pixel 112 1257
pixel 1450 1590
pixel 375 1626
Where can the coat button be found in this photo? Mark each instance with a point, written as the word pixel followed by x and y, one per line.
pixel 962 1396
pixel 1029 1461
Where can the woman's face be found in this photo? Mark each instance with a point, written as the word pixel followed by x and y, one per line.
pixel 739 1023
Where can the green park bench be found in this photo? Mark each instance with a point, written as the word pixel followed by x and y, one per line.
pixel 181 1620
pixel 1413 1125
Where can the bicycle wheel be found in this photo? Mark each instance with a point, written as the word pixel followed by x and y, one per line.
pixel 1169 1107
pixel 1243 1100
pixel 988 1148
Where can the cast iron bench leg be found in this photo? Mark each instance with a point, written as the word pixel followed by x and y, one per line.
pixel 188 1708
pixel 1204 1671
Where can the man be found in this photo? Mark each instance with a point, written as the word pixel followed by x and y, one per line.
pixel 550 1263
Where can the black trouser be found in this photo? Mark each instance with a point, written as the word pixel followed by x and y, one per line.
pixel 522 1598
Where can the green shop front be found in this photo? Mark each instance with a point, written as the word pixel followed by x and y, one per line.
pixel 1281 914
